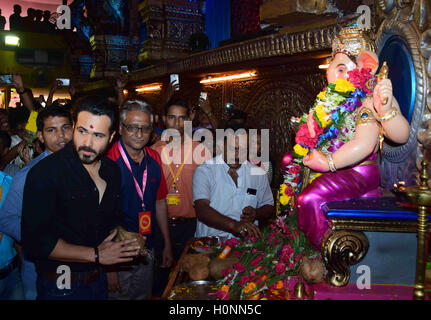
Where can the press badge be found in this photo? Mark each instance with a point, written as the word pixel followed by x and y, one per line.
pixel 145 222
pixel 173 198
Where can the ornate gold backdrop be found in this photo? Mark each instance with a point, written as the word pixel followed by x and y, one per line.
pixel 270 100
pixel 288 78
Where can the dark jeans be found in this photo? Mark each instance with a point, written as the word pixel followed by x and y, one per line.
pixel 11 286
pixel 180 235
pixel 96 290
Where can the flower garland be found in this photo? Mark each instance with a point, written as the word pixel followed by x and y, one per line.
pixel 265 263
pixel 333 115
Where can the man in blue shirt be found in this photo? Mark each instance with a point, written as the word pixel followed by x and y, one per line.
pixel 10 280
pixel 143 193
pixel 54 125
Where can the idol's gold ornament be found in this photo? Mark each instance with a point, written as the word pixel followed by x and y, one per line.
pixel 331 163
pixel 352 41
pixel 365 116
pixel 381 140
pixel 341 250
pixel 388 116
pixel 383 74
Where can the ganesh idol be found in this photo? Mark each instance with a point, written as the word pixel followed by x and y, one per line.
pixel 339 138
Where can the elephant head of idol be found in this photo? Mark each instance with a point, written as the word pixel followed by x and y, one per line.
pixel 351 49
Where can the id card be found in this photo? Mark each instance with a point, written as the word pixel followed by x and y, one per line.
pixel 145 222
pixel 173 198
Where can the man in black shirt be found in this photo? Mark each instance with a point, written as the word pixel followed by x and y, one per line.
pixel 71 204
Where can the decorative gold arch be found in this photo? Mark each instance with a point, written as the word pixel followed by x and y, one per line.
pixel 272 105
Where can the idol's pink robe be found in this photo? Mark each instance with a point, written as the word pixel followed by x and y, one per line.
pixel 344 184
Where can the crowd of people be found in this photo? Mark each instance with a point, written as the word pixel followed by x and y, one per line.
pixel 36 20
pixel 82 169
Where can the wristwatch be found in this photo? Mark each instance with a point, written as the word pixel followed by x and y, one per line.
pixel 96 255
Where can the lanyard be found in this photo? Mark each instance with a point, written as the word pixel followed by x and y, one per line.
pixel 176 176
pixel 144 176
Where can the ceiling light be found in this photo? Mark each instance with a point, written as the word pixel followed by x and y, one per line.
pixel 149 88
pixel 232 77
pixel 325 63
pixel 11 41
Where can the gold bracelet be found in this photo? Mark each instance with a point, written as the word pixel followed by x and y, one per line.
pixel 331 163
pixel 388 116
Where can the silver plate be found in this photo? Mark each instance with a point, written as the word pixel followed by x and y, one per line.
pixel 195 290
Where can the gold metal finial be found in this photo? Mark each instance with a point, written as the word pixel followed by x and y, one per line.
pixel 299 289
pixel 424 175
pixel 421 196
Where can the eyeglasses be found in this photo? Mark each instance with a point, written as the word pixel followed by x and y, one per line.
pixel 133 129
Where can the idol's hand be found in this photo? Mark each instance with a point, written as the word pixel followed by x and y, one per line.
pixel 383 97
pixel 317 161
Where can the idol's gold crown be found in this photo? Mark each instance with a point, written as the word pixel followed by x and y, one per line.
pixel 352 41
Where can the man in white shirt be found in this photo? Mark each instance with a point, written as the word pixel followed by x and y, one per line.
pixel 230 194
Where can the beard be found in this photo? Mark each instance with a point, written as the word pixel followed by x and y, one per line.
pixel 89 158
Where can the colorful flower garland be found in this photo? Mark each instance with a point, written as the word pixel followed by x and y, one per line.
pixel 334 124
pixel 264 264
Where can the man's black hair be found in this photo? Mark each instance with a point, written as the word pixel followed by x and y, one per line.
pixel 5 139
pixel 177 102
pixel 99 106
pixel 17 116
pixel 52 111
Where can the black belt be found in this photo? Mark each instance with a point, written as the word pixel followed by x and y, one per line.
pixel 179 220
pixel 9 268
pixel 84 277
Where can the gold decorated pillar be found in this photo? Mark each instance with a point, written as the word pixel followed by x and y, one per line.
pixel 166 28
